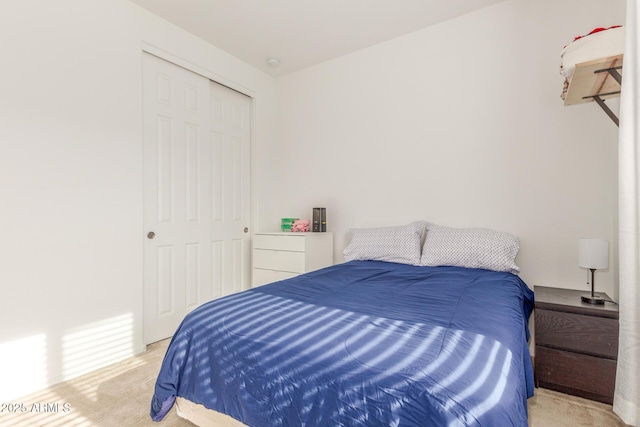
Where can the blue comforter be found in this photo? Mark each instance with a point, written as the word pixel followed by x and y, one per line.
pixel 364 343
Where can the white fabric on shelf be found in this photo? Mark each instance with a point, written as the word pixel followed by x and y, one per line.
pixel 626 401
pixel 602 44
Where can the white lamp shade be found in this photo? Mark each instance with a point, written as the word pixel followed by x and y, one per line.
pixel 593 253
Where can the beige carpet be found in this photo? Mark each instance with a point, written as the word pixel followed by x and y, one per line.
pixel 119 395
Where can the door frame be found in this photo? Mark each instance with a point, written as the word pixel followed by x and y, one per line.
pixel 169 57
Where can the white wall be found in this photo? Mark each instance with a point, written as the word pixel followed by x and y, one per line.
pixel 71 179
pixel 461 124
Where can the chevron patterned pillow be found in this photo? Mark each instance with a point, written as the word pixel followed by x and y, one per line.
pixel 471 248
pixel 399 244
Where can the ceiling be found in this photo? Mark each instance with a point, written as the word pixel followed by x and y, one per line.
pixel 302 33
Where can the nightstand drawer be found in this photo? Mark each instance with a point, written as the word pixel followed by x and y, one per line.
pixel 578 374
pixel 279 242
pixel 595 336
pixel 279 260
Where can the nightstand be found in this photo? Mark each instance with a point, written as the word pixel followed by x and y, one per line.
pixel 282 255
pixel 576 344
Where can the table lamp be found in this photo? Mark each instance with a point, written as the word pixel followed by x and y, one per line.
pixel 593 254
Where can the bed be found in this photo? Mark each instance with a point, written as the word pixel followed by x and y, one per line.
pixel 363 343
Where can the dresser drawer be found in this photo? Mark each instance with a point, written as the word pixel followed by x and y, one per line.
pixel 279 242
pixel 281 255
pixel 293 262
pixel 596 336
pixel 578 374
pixel 262 277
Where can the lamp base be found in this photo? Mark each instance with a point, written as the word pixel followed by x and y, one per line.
pixel 592 299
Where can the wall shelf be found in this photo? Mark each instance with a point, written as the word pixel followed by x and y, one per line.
pixel 597 81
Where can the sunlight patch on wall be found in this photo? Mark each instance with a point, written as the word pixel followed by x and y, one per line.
pixel 23 366
pixel 97 344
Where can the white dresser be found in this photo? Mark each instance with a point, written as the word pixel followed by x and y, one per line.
pixel 281 255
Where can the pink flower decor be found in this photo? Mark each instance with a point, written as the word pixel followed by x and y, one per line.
pixel 301 225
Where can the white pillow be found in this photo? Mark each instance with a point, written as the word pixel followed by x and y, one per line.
pixel 399 244
pixel 471 248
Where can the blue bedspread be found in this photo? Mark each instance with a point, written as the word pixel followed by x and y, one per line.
pixel 364 343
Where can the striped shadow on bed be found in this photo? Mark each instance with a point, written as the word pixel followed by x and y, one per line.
pixel 363 343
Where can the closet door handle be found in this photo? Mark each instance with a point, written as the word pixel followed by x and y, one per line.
pixel 151 235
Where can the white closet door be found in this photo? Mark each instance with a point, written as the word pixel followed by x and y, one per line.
pixel 196 193
pixel 231 190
